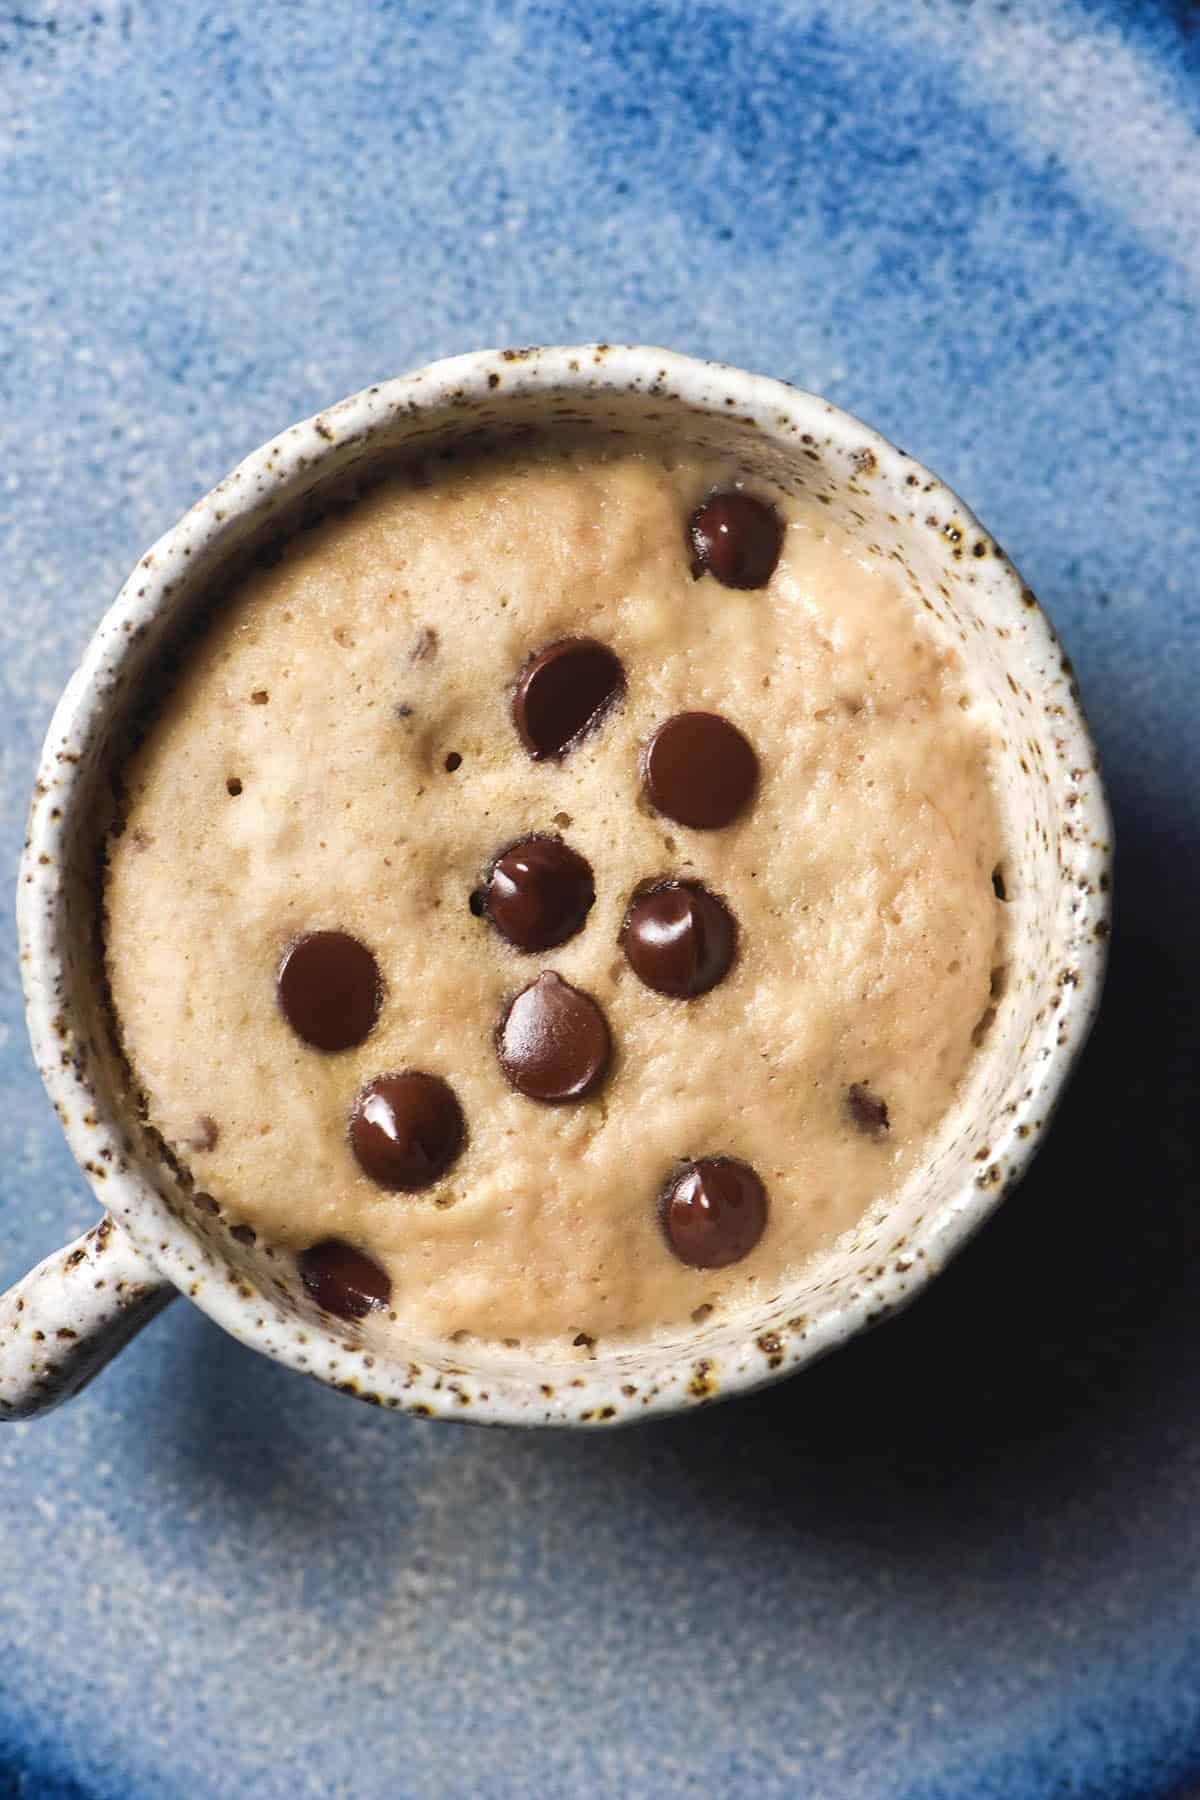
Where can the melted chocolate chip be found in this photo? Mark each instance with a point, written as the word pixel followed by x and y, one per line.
pixel 699 770
pixel 553 1041
pixel 205 1133
pixel 678 938
pixel 406 1130
pixel 539 893
pixel 737 539
pixel 329 989
pixel 563 692
pixel 868 1111
pixel 714 1212
pixel 342 1280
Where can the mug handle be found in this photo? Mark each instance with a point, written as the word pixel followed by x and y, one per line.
pixel 70 1316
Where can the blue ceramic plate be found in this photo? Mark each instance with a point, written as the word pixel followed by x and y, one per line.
pixel 962 1558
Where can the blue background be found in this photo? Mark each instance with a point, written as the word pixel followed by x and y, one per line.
pixel 961 1559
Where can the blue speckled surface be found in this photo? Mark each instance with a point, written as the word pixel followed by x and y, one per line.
pixel 961 1560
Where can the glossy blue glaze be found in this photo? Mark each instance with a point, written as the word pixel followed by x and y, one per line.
pixel 959 1561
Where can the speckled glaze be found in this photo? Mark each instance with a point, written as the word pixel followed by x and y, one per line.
pixel 58 1326
pixel 71 1315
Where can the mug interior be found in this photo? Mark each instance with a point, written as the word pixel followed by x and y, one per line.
pixel 1053 878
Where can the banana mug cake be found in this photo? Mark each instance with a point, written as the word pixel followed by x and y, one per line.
pixel 557 896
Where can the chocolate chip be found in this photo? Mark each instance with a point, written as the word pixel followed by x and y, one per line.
pixel 205 1133
pixel 233 786
pixel 342 1280
pixel 699 770
pixel 737 539
pixel 453 762
pixel 563 692
pixel 714 1212
pixel 406 1130
pixel 678 938
pixel 553 1041
pixel 424 645
pixel 329 989
pixel 539 893
pixel 868 1111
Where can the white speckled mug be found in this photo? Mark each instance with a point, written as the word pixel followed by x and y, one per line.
pixel 66 1319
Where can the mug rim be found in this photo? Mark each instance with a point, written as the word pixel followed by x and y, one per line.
pixel 782 415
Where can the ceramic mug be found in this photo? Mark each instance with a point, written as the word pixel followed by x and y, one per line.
pixel 66 1319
